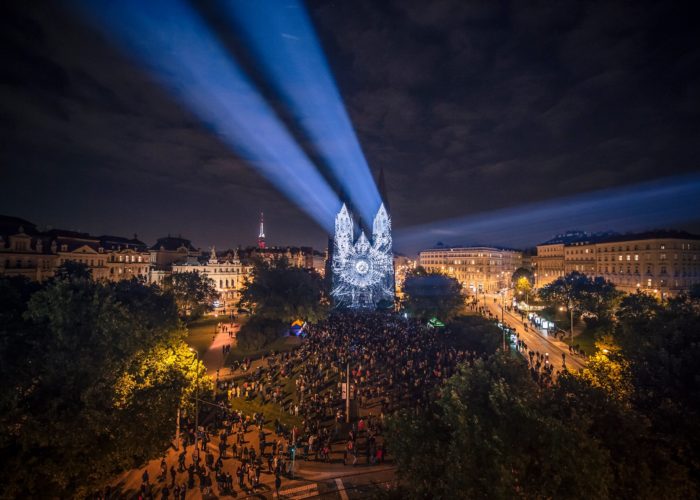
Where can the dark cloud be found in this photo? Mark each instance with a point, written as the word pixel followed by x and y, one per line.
pixel 468 106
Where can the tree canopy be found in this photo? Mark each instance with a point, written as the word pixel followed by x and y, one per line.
pixel 93 374
pixel 626 426
pixel 593 298
pixel 429 294
pixel 194 293
pixel 279 291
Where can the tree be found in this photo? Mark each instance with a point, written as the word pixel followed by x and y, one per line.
pixel 523 287
pixel 593 298
pixel 661 343
pixel 73 270
pixel 280 292
pixel 475 334
pixel 429 294
pixel 522 272
pixel 491 435
pixel 93 374
pixel 194 293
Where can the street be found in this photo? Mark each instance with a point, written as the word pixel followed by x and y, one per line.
pixel 535 340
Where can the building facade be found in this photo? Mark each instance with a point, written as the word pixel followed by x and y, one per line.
pixel 479 269
pixel 548 265
pixel 24 250
pixel 663 263
pixel 171 250
pixel 227 275
pixel 127 258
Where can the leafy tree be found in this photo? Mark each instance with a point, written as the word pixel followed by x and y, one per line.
pixel 593 298
pixel 93 374
pixel 474 333
pixel 522 272
pixel 661 342
pixel 523 287
pixel 491 435
pixel 194 293
pixel 280 292
pixel 257 332
pixel 429 294
pixel 73 270
pixel 608 370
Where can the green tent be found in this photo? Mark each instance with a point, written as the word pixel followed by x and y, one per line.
pixel 435 323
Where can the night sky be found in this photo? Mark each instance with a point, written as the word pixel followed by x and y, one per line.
pixel 468 107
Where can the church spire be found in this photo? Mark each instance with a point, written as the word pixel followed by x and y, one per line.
pixel 261 236
pixel 381 185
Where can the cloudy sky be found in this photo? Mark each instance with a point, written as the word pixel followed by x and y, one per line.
pixel 469 107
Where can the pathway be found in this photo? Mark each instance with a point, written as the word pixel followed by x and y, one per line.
pixel 214 358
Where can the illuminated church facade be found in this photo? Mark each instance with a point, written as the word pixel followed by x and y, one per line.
pixel 363 269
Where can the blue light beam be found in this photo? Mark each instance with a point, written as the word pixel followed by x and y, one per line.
pixel 175 45
pixel 283 41
pixel 641 206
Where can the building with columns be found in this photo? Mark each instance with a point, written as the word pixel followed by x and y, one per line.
pixel 227 274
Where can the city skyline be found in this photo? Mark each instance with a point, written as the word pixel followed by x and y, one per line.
pixel 469 110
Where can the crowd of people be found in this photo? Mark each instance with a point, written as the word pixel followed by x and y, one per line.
pixel 391 362
pixel 235 463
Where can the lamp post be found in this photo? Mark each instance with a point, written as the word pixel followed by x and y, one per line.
pixel 196 403
pixel 503 324
pixel 571 312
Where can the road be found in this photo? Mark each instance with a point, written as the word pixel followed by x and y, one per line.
pixel 535 340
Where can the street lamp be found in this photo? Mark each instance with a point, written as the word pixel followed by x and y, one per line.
pixel 196 402
pixel 571 310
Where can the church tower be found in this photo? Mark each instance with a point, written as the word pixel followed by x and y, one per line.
pixel 261 235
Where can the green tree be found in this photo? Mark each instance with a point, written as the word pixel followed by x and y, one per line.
pixel 429 294
pixel 73 270
pixel 93 374
pixel 194 293
pixel 523 288
pixel 593 298
pixel 661 343
pixel 490 435
pixel 281 292
pixel 522 272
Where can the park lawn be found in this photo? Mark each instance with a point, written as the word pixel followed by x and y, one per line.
pixel 201 333
pixel 585 340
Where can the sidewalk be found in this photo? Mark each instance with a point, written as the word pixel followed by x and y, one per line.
pixel 214 358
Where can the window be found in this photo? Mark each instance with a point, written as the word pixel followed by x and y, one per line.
pixel 636 256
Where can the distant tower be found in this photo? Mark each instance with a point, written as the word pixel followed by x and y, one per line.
pixel 261 236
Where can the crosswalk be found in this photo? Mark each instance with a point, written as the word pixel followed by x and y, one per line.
pixel 299 493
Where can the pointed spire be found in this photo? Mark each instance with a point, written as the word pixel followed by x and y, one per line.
pixel 381 185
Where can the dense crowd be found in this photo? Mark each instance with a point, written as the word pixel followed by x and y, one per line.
pixel 392 363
